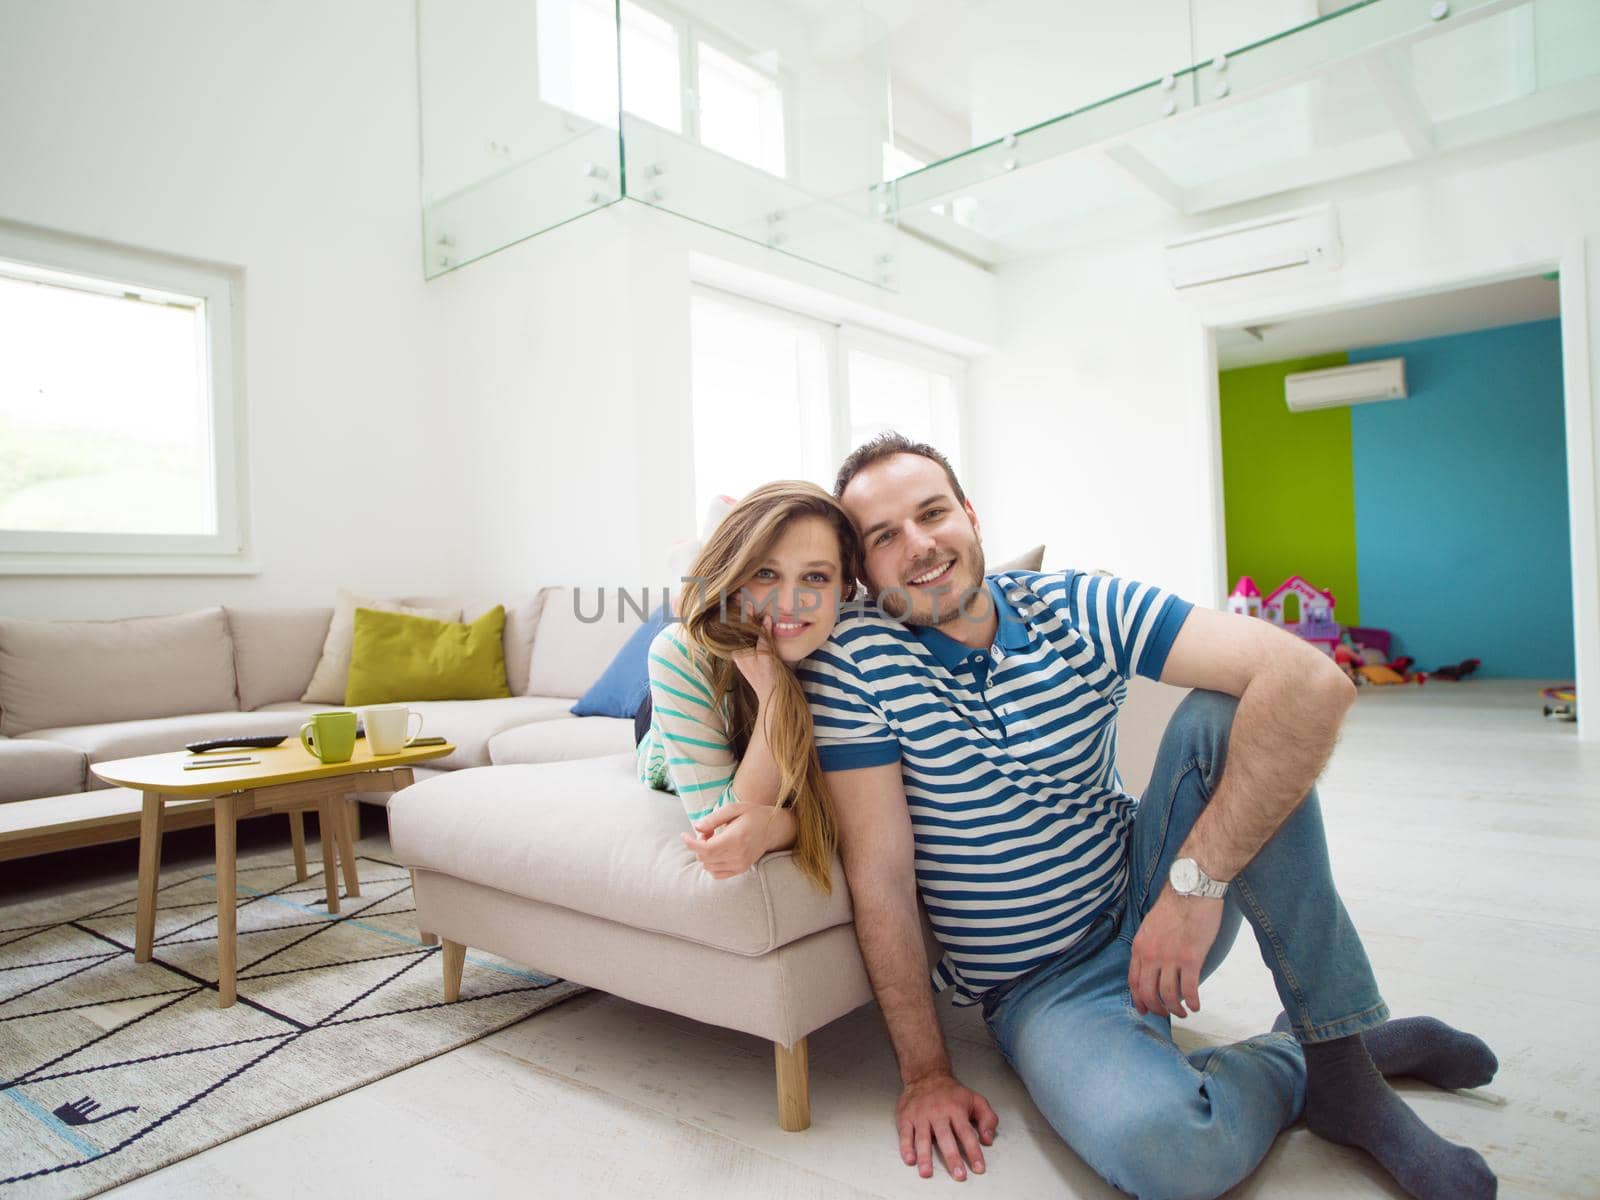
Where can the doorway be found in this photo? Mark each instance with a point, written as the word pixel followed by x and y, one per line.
pixel 1446 518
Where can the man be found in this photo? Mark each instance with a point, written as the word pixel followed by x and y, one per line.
pixel 970 745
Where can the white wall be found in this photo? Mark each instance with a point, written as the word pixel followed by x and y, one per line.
pixel 519 421
pixel 1110 371
pixel 570 354
pixel 280 139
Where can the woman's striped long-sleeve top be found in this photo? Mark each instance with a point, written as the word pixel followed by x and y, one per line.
pixel 687 748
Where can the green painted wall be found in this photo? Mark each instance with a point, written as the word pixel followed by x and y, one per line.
pixel 1288 485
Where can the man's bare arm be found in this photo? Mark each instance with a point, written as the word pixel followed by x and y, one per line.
pixel 879 862
pixel 1292 701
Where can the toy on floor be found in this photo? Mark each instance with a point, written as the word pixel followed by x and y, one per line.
pixel 1316 624
pixel 1394 671
pixel 1561 703
pixel 1458 671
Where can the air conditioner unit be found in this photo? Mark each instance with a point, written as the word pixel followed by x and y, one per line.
pixel 1361 383
pixel 1307 240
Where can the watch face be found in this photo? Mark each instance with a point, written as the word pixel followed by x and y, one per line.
pixel 1185 875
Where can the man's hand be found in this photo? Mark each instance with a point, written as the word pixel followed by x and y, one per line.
pixel 937 1109
pixel 732 838
pixel 1168 952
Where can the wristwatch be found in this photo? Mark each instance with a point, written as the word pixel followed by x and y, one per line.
pixel 1188 879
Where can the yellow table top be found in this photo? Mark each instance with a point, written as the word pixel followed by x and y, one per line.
pixel 288 763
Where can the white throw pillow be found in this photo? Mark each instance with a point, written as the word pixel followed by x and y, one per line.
pixel 1029 560
pixel 333 670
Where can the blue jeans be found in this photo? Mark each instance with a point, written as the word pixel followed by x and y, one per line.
pixel 1152 1120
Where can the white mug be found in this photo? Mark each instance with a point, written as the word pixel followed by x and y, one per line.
pixel 389 727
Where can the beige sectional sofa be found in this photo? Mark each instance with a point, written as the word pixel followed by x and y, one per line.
pixel 534 840
pixel 74 693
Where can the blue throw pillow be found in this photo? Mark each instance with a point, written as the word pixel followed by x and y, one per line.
pixel 626 682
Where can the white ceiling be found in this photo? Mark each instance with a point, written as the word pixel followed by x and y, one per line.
pixel 1463 311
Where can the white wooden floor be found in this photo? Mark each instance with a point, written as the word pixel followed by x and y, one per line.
pixel 1464 830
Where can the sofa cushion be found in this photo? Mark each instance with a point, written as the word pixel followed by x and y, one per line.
pixel 561 740
pixel 275 650
pixel 1028 560
pixel 623 685
pixel 395 657
pixel 55 673
pixel 30 768
pixel 333 668
pixel 161 735
pixel 589 836
pixel 522 622
pixel 469 724
pixel 575 644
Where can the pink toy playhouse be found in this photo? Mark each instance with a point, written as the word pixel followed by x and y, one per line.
pixel 1316 624
pixel 1246 598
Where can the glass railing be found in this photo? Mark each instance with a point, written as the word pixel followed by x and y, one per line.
pixel 765 120
pixel 1372 85
pixel 996 128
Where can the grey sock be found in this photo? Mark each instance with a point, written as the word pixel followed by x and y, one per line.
pixel 1348 1102
pixel 1425 1048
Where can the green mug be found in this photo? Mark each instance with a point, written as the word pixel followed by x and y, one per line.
pixel 331 736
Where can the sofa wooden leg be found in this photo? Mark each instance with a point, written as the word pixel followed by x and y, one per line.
pixel 454 957
pixel 794 1086
pixel 426 938
pixel 297 839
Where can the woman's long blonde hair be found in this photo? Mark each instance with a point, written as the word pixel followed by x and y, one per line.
pixel 712 615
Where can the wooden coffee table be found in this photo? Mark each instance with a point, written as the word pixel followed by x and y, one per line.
pixel 286 779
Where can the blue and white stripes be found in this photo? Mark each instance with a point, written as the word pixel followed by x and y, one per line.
pixel 1008 756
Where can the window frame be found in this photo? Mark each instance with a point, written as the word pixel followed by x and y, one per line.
pixel 111 270
pixel 840 337
pixel 917 354
pixel 692 34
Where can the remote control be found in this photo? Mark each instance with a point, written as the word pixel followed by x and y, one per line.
pixel 265 742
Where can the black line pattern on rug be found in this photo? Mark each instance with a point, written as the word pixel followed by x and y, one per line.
pixel 210 984
pixel 94 1041
pixel 58 979
pixel 327 924
pixel 343 962
pixel 133 1062
pixel 53 962
pixel 49 1012
pixel 416 1008
pixel 298 1030
pixel 171 933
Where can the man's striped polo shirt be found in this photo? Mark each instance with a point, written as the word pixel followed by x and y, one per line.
pixel 1008 756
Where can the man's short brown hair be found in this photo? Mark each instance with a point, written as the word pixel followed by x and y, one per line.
pixel 884 446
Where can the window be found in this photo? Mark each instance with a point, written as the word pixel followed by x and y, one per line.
pixel 777 395
pixel 733 107
pixel 740 111
pixel 116 418
pixel 910 390
pixel 578 62
pixel 761 393
pixel 578 57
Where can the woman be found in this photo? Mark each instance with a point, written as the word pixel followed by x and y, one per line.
pixel 730 730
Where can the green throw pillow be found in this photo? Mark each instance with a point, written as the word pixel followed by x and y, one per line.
pixel 397 657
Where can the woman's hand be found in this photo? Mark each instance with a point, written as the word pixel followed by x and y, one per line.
pixel 759 665
pixel 731 839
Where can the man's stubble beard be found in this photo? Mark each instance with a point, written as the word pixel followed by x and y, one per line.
pixel 948 607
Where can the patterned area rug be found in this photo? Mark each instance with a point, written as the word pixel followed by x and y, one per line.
pixel 111 1068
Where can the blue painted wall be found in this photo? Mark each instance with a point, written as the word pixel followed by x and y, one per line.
pixel 1461 503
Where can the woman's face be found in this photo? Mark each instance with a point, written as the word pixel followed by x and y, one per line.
pixel 799 586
